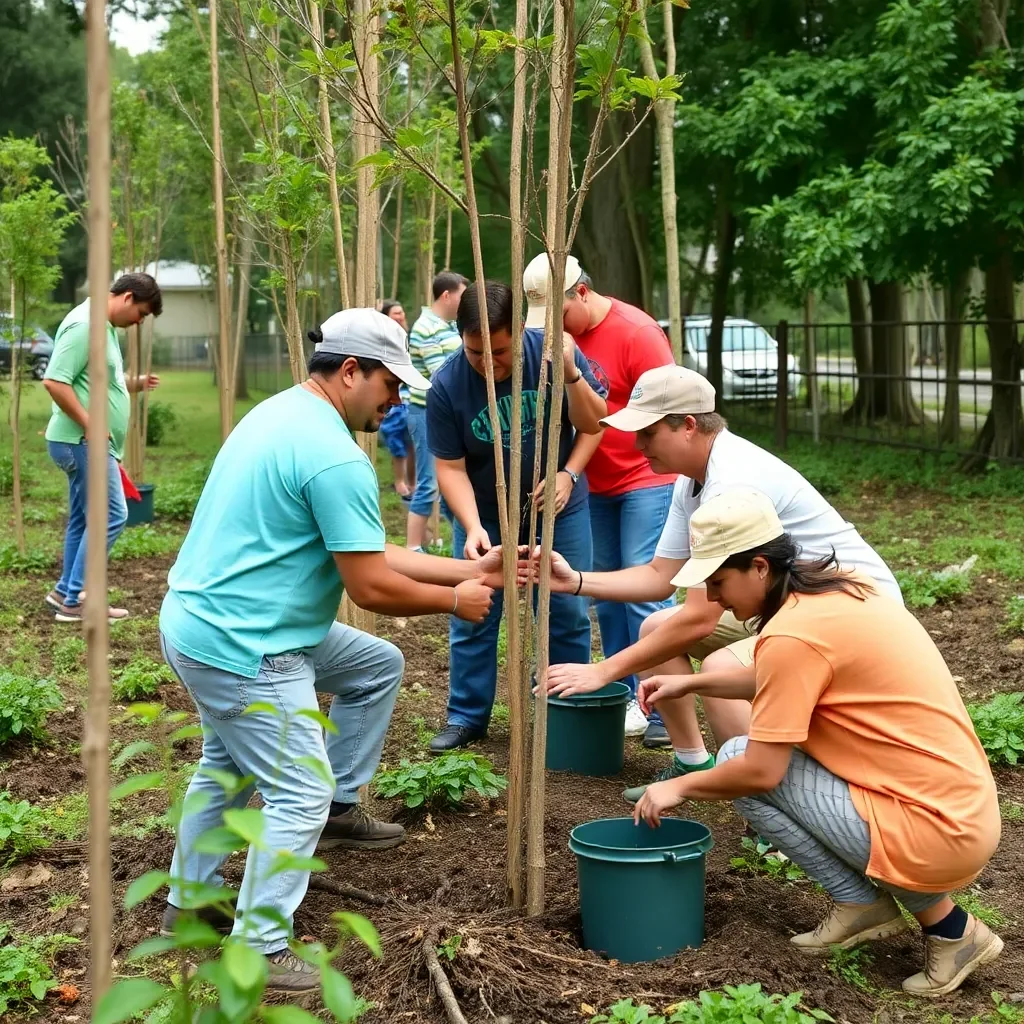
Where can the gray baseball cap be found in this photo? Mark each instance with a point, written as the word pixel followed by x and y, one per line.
pixel 371 335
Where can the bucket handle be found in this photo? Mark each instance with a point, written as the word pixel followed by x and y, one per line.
pixel 671 857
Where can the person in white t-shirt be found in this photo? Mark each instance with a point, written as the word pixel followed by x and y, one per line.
pixel 672 412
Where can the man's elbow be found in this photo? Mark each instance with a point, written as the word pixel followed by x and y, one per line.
pixel 51 386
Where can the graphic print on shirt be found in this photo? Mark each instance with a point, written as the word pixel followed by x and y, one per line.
pixel 602 378
pixel 481 423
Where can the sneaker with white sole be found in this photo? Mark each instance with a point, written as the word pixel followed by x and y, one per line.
pixel 75 613
pixel 636 720
pixel 948 962
pixel 850 924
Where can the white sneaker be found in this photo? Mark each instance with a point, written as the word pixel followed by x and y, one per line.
pixel 636 720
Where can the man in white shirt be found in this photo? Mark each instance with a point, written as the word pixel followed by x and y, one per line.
pixel 671 411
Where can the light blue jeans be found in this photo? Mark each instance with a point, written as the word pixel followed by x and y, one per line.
pixel 73 460
pixel 363 673
pixel 423 498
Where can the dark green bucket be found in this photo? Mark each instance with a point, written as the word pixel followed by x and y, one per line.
pixel 641 888
pixel 140 512
pixel 587 732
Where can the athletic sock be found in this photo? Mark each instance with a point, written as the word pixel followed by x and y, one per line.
pixel 952 926
pixel 691 755
pixel 682 768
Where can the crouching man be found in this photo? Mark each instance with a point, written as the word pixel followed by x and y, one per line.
pixel 288 519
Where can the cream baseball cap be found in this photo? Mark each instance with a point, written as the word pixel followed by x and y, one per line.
pixel 735 520
pixel 537 280
pixel 664 391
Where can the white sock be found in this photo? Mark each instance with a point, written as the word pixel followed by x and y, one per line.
pixel 692 755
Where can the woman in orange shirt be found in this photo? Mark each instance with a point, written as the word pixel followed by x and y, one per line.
pixel 860 762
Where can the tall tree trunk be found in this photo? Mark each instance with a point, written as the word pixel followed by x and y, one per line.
pixel 242 269
pixel 19 513
pixel 698 274
pixel 725 247
pixel 396 252
pixel 448 240
pixel 293 327
pixel 954 297
pixel 858 412
pixel 891 395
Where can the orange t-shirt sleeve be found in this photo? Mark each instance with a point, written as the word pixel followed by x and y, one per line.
pixel 791 676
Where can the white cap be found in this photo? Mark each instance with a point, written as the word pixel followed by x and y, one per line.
pixel 664 391
pixel 537 281
pixel 370 334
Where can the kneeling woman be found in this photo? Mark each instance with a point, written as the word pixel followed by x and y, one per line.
pixel 860 762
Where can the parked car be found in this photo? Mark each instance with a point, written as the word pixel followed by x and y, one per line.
pixel 750 356
pixel 34 349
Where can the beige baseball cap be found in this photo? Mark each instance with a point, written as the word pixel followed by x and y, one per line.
pixel 735 520
pixel 537 280
pixel 664 391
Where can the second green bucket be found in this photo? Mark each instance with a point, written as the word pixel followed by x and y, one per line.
pixel 587 732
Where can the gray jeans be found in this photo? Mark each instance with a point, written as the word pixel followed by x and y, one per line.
pixel 811 818
pixel 276 752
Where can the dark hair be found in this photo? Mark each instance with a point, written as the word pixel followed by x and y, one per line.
pixel 389 304
pixel 447 281
pixel 707 422
pixel 584 279
pixel 329 363
pixel 499 308
pixel 793 575
pixel 142 288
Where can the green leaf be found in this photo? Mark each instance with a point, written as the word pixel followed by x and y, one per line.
pixel 319 717
pixel 287 861
pixel 186 732
pixel 248 823
pixel 219 840
pixel 144 886
pixel 382 158
pixel 152 947
pixel 247 968
pixel 40 986
pixel 132 750
pixel 127 998
pixel 321 769
pixel 261 707
pixel 410 138
pixel 339 997
pixel 361 928
pixel 288 1015
pixel 231 783
pixel 138 784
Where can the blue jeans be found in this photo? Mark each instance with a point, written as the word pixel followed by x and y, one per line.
pixel 626 528
pixel 423 498
pixel 394 432
pixel 274 753
pixel 473 674
pixel 73 459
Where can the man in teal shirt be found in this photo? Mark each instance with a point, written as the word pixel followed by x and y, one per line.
pixel 132 298
pixel 288 518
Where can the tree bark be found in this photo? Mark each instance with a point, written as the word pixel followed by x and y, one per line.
pixel 858 409
pixel 242 267
pixel 19 513
pixel 725 251
pixel 698 274
pixel 954 296
pixel 891 397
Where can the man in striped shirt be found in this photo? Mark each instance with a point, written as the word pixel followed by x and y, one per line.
pixel 432 340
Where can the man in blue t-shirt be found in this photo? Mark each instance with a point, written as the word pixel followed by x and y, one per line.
pixel 460 436
pixel 288 519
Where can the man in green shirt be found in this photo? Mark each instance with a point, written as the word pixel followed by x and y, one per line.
pixel 132 298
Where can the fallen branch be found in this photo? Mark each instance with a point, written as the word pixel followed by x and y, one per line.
pixel 440 979
pixel 352 892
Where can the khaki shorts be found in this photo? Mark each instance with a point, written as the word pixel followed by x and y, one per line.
pixel 729 633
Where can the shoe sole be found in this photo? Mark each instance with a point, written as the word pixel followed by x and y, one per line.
pixel 294 990
pixel 989 952
pixel 78 618
pixel 360 844
pixel 874 934
pixel 452 750
pixel 633 733
pixel 658 744
pixel 52 603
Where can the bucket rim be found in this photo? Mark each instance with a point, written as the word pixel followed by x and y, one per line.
pixel 574 838
pixel 616 692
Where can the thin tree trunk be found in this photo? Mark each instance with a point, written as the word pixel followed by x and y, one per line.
pixel 448 239
pixel 697 276
pixel 293 328
pixel 19 514
pixel 891 395
pixel 725 250
pixel 96 739
pixel 858 410
pixel 954 296
pixel 626 189
pixel 397 250
pixel 242 267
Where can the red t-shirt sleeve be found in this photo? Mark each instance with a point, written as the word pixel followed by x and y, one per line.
pixel 648 349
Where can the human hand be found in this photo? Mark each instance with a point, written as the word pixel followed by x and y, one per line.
pixel 563 491
pixel 658 798
pixel 477 544
pixel 150 381
pixel 567 680
pixel 658 688
pixel 473 600
pixel 569 357
pixel 564 578
pixel 489 568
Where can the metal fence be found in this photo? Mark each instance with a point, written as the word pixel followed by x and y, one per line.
pixel 930 384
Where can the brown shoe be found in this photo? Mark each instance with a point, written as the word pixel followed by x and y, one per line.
pixel 849 924
pixel 358 830
pixel 289 973
pixel 948 962
pixel 55 599
pixel 74 612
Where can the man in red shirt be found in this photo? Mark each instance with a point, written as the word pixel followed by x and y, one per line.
pixel 628 501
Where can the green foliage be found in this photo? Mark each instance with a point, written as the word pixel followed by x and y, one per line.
pixel 20 828
pixel 849 964
pixel 970 900
pixel 69 819
pixel 145 542
pixel 423 734
pixel 999 724
pixel 441 782
pixel 736 1004
pixel 1014 615
pixel 922 588
pixel 25 703
pixel 26 967
pixel 140 679
pixel 178 497
pixel 33 560
pixel 160 418
pixel 6 475
pixel 1003 1013
pixel 449 949
pixel 69 656
pixel 755 861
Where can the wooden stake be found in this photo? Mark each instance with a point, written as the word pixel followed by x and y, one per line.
pixel 96 740
pixel 19 513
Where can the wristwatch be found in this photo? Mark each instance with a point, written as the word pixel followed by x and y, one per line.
pixel 575 477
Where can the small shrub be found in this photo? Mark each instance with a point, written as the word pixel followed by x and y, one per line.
pixel 144 542
pixel 6 475
pixel 449 949
pixel 1014 615
pixel 755 861
pixel 423 734
pixel 25 703
pixel 159 420
pixel 736 1004
pixel 33 560
pixel 26 967
pixel 999 724
pixel 177 498
pixel 69 656
pixel 20 828
pixel 442 782
pixel 848 965
pixel 141 678
pixel 1004 1013
pixel 923 588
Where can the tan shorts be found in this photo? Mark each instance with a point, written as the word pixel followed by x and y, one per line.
pixel 729 633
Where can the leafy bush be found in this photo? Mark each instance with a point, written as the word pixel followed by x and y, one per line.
pixel 755 861
pixel 25 703
pixel 177 498
pixel 737 1004
pixel 20 828
pixel 442 782
pixel 145 542
pixel 26 971
pixel 33 560
pixel 159 419
pixel 848 965
pixel 999 724
pixel 141 678
pixel 923 588
pixel 1014 615
pixel 69 656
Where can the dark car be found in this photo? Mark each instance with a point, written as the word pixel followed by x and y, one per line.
pixel 34 349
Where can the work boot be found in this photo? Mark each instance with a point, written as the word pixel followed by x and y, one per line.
pixel 675 770
pixel 213 916
pixel 290 973
pixel 454 736
pixel 356 829
pixel 850 924
pixel 948 962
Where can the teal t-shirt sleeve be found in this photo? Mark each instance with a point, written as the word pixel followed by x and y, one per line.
pixel 346 506
pixel 70 354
